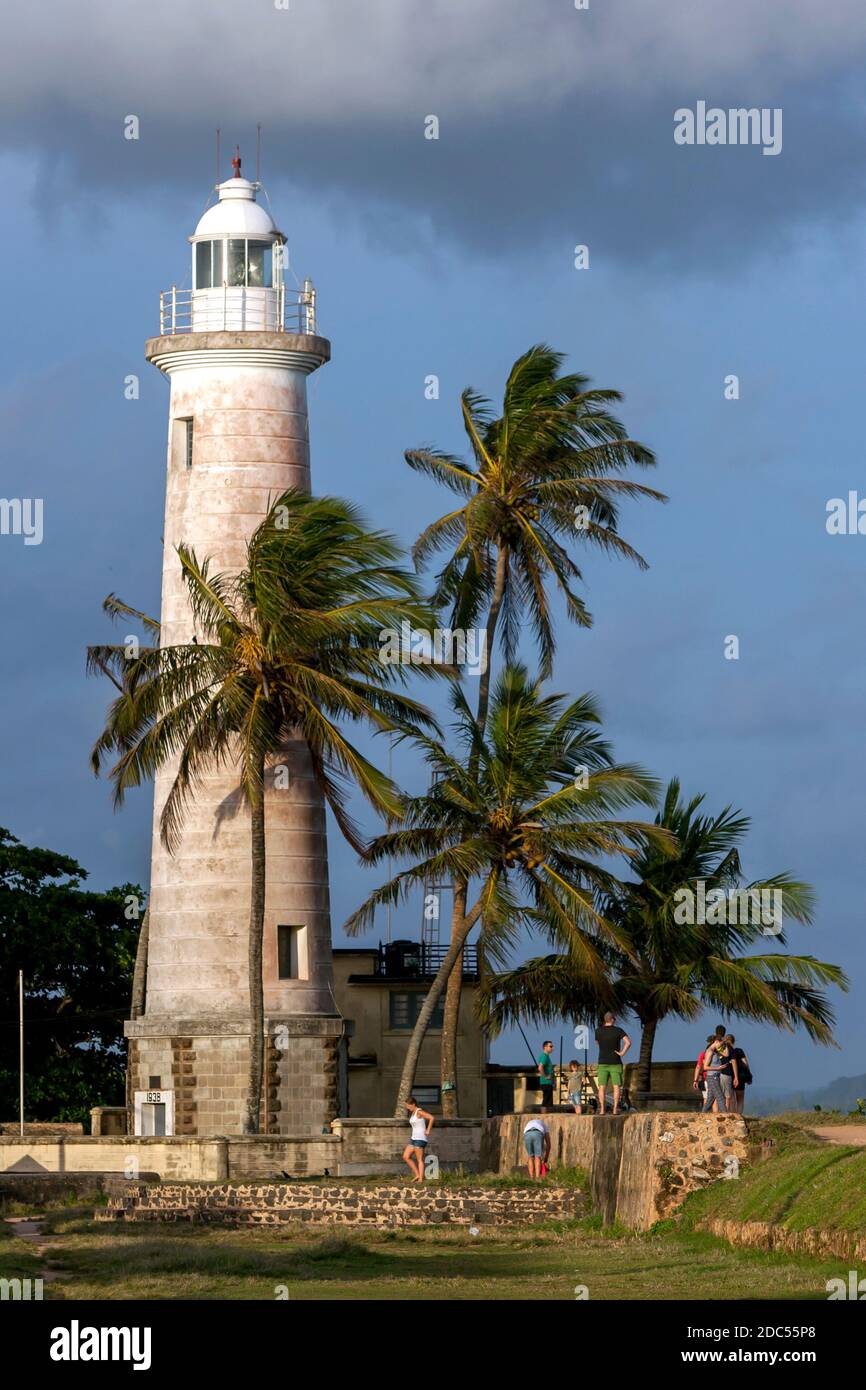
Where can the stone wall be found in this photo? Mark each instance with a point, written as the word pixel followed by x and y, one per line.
pixel 812 1240
pixel 42 1189
pixel 207 1069
pixel 274 1203
pixel 641 1166
pixel 108 1119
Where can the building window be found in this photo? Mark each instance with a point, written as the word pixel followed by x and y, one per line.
pixel 427 1095
pixel 181 443
pixel 292 953
pixel 405 1006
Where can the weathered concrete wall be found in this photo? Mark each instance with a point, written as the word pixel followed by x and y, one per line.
pixel 108 1119
pixel 354 1145
pixel 641 1166
pixel 374 1143
pixel 170 1158
pixel 41 1128
pixel 270 1204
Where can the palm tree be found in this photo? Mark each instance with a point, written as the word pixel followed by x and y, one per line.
pixel 543 473
pixel 114 663
pixel 529 824
pixel 667 964
pixel 287 647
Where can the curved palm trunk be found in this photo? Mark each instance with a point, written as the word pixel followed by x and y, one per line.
pixel 492 620
pixel 448 1066
pixel 414 1049
pixel 645 1060
pixel 139 975
pixel 136 1007
pixel 257 924
pixel 448 1070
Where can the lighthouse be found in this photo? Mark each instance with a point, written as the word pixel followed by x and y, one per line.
pixel 237 346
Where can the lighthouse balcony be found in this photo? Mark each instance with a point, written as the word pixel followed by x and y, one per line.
pixel 231 308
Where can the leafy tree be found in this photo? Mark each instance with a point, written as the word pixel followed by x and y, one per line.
pixel 529 824
pixel 287 647
pixel 659 964
pixel 545 474
pixel 77 949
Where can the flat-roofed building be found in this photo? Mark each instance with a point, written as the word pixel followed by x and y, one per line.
pixel 379 991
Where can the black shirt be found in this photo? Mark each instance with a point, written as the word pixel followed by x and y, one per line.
pixel 741 1057
pixel 609 1037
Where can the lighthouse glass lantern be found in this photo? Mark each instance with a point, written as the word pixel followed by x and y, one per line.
pixel 237 264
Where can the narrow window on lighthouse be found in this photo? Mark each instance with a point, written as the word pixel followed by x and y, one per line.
pixel 181 443
pixel 292 952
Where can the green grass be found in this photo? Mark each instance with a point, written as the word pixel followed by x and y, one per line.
pixel 806 1183
pixel 818 1119
pixel 445 1262
pixel 18 1260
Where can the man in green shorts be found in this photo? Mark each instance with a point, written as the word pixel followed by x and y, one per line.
pixel 546 1075
pixel 613 1043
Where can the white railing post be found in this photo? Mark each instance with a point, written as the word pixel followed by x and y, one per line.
pixel 309 298
pixel 174 308
pixel 162 313
pixel 282 315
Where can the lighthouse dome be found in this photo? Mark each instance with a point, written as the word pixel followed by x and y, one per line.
pixel 237 214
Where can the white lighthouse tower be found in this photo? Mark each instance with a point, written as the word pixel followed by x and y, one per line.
pixel 237 348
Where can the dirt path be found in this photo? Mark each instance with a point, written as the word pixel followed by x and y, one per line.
pixel 841 1134
pixel 32 1229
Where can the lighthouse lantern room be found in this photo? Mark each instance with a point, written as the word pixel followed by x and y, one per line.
pixel 239 263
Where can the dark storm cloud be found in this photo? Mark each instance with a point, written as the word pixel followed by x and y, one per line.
pixel 556 125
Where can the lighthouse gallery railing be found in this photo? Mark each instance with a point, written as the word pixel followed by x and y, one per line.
pixel 277 310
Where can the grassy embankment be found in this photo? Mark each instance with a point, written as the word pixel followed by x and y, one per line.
pixel 806 1184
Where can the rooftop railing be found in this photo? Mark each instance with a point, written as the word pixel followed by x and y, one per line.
pixel 238 307
pixel 405 961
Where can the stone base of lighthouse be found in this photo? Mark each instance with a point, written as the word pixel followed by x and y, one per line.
pixel 192 1074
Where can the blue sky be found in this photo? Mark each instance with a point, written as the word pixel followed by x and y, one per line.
pixel 421 270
